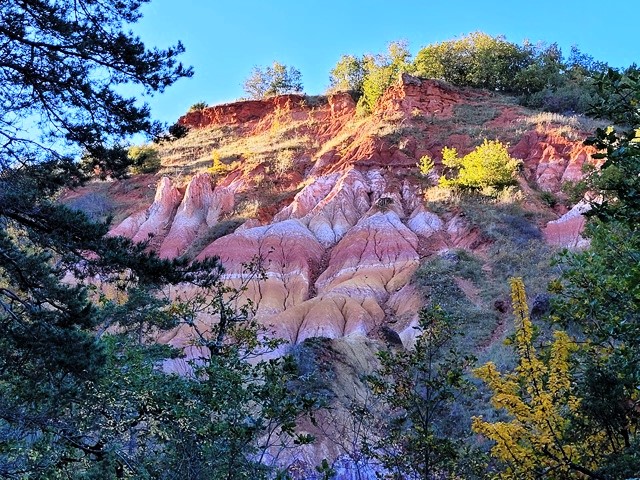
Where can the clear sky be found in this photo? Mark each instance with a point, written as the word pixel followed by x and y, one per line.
pixel 225 39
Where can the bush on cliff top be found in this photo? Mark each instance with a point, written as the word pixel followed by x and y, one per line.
pixel 276 79
pixel 540 75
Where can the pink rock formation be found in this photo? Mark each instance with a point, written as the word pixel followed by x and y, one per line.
pixel 308 198
pixel 567 230
pixel 340 209
pixel 340 254
pixel 154 221
pixel 424 223
pixel 405 304
pixel 550 159
pixel 376 257
pixel 331 316
pixel 289 253
pixel 200 208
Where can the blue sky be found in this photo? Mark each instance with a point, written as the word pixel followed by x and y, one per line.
pixel 226 39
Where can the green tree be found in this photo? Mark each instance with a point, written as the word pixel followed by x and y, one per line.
pixel 475 60
pixel 276 79
pixel 62 62
pixel 577 415
pixel 554 83
pixel 82 394
pixel 598 296
pixel 598 291
pixel 418 389
pixel 616 181
pixel 348 75
pixel 381 71
pixel 144 159
pixel 539 74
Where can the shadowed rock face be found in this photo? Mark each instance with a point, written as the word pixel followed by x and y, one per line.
pixel 339 253
pixel 153 221
pixel 567 230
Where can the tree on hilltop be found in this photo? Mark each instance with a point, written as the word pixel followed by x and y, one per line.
pixel 276 79
pixel 348 75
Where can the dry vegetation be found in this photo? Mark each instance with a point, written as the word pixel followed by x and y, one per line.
pixel 572 127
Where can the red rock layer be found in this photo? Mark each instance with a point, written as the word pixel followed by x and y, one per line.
pixel 339 255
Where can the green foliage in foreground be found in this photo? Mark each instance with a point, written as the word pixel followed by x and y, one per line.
pixel 590 392
pixel 83 393
pixel 418 388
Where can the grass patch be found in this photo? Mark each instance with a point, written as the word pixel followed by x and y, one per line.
pixel 220 229
pixel 436 278
pixel 474 114
pixel 194 152
pixel 569 126
pixel 517 248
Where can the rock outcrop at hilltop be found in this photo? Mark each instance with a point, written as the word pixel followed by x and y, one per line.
pixel 340 253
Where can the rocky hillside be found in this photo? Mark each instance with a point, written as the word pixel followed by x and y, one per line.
pixel 334 204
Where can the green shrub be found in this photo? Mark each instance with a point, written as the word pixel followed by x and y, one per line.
pixel 539 74
pixel 144 159
pixel 570 97
pixel 198 106
pixel 475 60
pixel 488 165
pixel 381 72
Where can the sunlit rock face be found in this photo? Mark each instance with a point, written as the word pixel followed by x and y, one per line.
pixel 340 244
pixel 200 208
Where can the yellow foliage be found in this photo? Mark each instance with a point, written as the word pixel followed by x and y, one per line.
pixel 450 157
pixel 538 398
pixel 425 165
pixel 218 167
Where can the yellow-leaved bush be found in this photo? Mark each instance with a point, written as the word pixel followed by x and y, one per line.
pixel 488 166
pixel 538 440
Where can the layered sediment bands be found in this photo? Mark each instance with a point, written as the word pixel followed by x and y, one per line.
pixel 288 252
pixel 330 316
pixel 341 231
pixel 333 216
pixel 200 208
pixel 376 257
